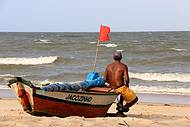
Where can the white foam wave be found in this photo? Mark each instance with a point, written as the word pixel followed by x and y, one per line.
pixel 185 77
pixel 28 61
pixel 135 41
pixel 9 76
pixel 160 90
pixel 176 49
pixel 109 45
pixel 6 75
pixel 120 50
pixel 92 42
pixel 4 87
pixel 43 41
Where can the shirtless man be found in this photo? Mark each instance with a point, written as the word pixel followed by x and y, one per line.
pixel 116 75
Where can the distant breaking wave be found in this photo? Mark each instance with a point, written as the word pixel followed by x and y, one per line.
pixel 93 42
pixel 4 87
pixel 185 77
pixel 120 50
pixel 175 49
pixel 109 45
pixel 42 41
pixel 28 61
pixel 161 90
pixel 6 75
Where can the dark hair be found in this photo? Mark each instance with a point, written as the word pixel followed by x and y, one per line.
pixel 117 58
pixel 117 55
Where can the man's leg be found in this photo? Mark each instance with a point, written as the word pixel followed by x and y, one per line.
pixel 120 107
pixel 119 103
pixel 131 103
pixel 121 99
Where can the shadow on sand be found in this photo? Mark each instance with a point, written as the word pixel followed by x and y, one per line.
pixel 114 115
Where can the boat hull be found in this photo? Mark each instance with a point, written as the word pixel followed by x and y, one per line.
pixel 52 106
pixel 64 103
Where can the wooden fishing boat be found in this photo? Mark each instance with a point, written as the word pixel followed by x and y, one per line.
pixel 92 103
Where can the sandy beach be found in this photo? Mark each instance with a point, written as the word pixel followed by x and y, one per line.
pixel 140 115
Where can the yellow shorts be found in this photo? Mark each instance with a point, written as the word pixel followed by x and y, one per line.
pixel 127 94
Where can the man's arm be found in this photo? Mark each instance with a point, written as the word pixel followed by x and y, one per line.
pixel 105 74
pixel 106 77
pixel 126 76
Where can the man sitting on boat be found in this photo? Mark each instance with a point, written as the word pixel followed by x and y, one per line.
pixel 116 75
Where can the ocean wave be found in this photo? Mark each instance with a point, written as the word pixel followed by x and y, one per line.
pixel 41 41
pixel 160 90
pixel 120 50
pixel 28 61
pixel 2 87
pixel 109 45
pixel 179 50
pixel 185 77
pixel 4 78
pixel 6 75
pixel 93 42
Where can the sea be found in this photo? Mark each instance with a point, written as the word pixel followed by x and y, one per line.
pixel 158 62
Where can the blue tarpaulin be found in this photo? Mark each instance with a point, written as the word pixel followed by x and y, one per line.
pixel 92 79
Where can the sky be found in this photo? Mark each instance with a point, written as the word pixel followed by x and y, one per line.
pixel 88 15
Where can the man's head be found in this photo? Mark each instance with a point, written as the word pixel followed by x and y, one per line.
pixel 117 55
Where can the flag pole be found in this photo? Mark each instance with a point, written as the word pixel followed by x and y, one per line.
pixel 104 31
pixel 97 49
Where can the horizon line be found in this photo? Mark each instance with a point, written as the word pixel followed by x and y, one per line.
pixel 94 31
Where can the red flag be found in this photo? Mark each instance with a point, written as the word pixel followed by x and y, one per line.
pixel 104 31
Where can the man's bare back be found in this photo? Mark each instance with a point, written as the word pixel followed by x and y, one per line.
pixel 116 74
